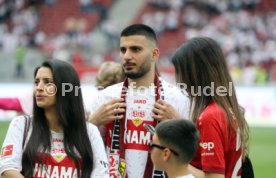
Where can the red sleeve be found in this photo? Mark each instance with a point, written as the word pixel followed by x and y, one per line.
pixel 10 104
pixel 213 129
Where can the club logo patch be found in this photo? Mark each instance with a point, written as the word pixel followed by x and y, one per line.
pixel 59 157
pixel 6 151
pixel 137 121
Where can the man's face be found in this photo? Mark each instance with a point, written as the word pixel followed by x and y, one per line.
pixel 137 55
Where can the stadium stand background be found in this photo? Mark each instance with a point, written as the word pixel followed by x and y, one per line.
pixel 85 32
pixel 87 35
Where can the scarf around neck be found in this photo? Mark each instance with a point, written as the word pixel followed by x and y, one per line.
pixel 118 146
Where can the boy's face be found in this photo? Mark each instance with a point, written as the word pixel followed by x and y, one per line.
pixel 157 154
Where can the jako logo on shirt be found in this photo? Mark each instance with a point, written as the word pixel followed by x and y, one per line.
pixel 140 101
pixel 207 145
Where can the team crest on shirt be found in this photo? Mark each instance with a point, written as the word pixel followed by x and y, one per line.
pixel 58 152
pixel 137 121
pixel 137 116
pixel 59 157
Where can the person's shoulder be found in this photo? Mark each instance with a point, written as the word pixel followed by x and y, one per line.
pixel 214 108
pixel 169 86
pixel 92 130
pixel 18 120
pixel 112 90
pixel 17 124
pixel 213 113
pixel 117 85
pixel 166 83
pixel 91 127
pixel 174 91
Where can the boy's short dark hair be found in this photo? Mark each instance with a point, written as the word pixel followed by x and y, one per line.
pixel 179 135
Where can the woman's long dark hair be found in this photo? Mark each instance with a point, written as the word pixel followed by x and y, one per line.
pixel 199 63
pixel 70 110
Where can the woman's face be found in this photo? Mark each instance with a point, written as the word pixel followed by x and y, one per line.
pixel 45 89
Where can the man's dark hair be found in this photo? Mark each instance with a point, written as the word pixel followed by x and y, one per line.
pixel 181 136
pixel 140 29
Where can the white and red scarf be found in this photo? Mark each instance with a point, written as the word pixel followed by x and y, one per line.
pixel 117 145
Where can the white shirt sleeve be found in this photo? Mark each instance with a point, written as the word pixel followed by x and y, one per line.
pixel 101 165
pixel 177 98
pixel 109 93
pixel 11 154
pixel 90 97
pixel 182 104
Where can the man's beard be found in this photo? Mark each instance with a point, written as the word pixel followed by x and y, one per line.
pixel 143 69
pixel 134 75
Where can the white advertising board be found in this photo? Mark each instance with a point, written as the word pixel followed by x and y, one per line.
pixel 259 102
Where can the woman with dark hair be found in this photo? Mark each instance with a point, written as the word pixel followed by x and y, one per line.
pixel 59 143
pixel 202 72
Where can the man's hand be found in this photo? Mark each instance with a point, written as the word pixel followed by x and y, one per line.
pixel 163 110
pixel 108 112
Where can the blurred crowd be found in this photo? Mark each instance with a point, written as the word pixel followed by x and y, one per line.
pixel 246 32
pixel 18 23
